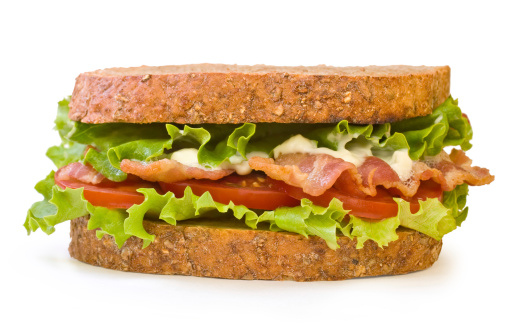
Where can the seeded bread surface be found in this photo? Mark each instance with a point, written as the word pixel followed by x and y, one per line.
pixel 214 93
pixel 202 248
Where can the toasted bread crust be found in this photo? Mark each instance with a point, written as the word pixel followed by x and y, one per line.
pixel 251 254
pixel 207 93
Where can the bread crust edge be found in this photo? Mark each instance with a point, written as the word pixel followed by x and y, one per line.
pixel 280 97
pixel 251 254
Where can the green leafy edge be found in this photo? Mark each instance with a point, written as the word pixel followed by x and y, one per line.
pixel 59 205
pixel 420 136
pixel 68 151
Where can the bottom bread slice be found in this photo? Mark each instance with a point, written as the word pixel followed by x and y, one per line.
pixel 202 248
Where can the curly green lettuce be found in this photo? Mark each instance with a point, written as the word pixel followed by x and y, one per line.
pixel 420 136
pixel 68 151
pixel 59 205
pixel 216 143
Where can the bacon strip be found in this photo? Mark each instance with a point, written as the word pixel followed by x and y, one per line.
pixel 314 173
pixel 169 171
pixel 317 173
pixel 374 172
pixel 81 172
pixel 456 169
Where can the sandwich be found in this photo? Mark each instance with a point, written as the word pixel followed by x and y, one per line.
pixel 259 172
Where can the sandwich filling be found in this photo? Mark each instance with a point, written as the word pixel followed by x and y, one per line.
pixel 361 181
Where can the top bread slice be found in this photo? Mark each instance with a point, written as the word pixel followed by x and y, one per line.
pixel 219 94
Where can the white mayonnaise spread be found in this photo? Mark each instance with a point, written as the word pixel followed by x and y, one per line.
pixel 298 144
pixel 188 157
pixel 352 151
pixel 349 148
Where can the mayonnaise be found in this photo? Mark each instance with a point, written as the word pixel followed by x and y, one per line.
pixel 188 157
pixel 350 149
pixel 358 151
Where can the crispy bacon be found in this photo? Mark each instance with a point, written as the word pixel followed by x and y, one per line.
pixel 374 172
pixel 456 169
pixel 314 173
pixel 169 171
pixel 317 173
pixel 81 172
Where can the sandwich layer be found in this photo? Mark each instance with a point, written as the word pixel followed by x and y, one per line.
pixel 212 93
pixel 202 248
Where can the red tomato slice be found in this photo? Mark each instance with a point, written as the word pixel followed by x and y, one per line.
pixel 253 190
pixel 108 194
pixel 372 207
pixel 256 191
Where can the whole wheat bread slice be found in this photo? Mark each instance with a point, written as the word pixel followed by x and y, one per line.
pixel 206 248
pixel 212 93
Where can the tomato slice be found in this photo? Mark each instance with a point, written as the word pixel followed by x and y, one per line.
pixel 108 194
pixel 253 190
pixel 372 207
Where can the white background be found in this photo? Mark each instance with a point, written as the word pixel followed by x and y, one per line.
pixel 46 44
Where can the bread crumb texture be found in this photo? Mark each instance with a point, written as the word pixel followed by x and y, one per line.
pixel 214 93
pixel 240 253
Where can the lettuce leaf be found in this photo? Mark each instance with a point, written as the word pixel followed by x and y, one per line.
pixel 101 163
pixel 153 204
pixel 216 143
pixel 420 136
pixel 382 232
pixel 58 205
pixel 428 135
pixel 107 135
pixel 145 142
pixel 68 151
pixel 108 221
pixel 427 219
pixel 65 153
pixel 62 205
pixel 455 201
